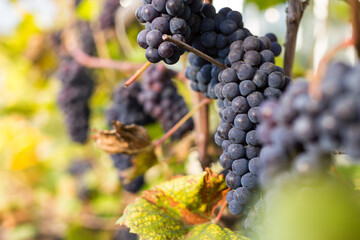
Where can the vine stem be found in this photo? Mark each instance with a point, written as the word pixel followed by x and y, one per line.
pixel 137 74
pixel 169 133
pixel 294 14
pixel 187 47
pixel 95 62
pixel 318 76
pixel 218 217
pixel 355 24
pixel 201 119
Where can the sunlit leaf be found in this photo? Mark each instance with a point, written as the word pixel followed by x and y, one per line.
pixel 209 231
pixel 170 209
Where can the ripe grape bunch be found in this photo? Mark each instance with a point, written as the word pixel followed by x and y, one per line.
pixel 128 110
pixel 252 78
pixel 179 18
pixel 161 100
pixel 300 132
pixel 77 87
pixel 107 16
pixel 218 32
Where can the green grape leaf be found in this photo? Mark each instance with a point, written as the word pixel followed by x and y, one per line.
pixel 209 231
pixel 264 4
pixel 170 209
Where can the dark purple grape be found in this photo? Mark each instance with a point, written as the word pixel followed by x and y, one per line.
pixel 251 43
pixel 240 105
pixel 152 55
pixel 161 24
pixel 154 38
pixel 276 80
pixel 246 87
pixel 141 39
pixel 230 90
pixel 245 72
pixel 240 166
pixel 235 207
pixel 228 26
pixel 148 13
pixel 236 151
pixel 233 180
pixel 255 99
pixel 236 136
pixel 248 181
pixel 159 5
pixel 253 58
pixel 242 122
pixel 175 7
pixel 276 48
pixel 165 50
pixel 242 195
pixel 178 26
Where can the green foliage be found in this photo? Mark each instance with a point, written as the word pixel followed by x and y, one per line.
pixel 209 231
pixel 264 4
pixel 174 209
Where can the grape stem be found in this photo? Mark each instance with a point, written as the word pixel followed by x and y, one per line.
pixel 218 217
pixel 294 14
pixel 193 50
pixel 95 62
pixel 136 75
pixel 167 135
pixel 356 24
pixel 201 120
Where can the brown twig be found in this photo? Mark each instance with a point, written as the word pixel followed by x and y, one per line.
pixel 94 62
pixel 201 119
pixel 137 74
pixel 218 217
pixel 193 50
pixel 294 14
pixel 355 24
pixel 169 133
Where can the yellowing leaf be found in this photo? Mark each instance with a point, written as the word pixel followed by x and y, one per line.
pixel 210 231
pixel 127 139
pixel 171 209
pixel 152 222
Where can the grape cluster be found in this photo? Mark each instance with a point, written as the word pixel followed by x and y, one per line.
pixel 179 18
pixel 252 78
pixel 107 16
pixel 121 163
pixel 300 132
pixel 125 107
pixel 161 100
pixel 85 37
pixel 128 110
pixel 217 32
pixel 73 98
pixel 221 36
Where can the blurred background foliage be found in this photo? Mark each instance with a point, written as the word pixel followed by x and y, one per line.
pixel 39 197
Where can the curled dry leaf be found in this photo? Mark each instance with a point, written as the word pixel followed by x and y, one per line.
pixel 127 139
